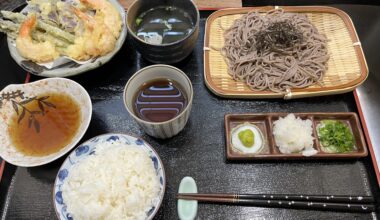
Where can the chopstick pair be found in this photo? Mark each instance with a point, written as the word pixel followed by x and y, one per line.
pixel 320 202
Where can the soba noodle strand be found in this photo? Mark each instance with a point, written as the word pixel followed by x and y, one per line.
pixel 296 66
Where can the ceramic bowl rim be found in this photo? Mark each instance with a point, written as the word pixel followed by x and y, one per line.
pixel 80 132
pixel 190 98
pixel 196 26
pixel 118 134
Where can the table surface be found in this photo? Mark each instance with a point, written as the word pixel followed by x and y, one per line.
pixel 199 150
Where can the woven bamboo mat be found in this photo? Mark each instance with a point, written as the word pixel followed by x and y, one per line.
pixel 346 67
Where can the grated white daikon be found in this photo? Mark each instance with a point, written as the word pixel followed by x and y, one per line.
pixel 293 135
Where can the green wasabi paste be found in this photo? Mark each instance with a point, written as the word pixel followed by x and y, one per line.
pixel 247 137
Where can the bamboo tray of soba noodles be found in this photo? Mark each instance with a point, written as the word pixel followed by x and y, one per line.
pixel 282 52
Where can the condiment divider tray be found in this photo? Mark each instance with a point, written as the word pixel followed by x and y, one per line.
pixel 270 150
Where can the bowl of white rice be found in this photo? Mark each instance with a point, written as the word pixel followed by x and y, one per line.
pixel 111 176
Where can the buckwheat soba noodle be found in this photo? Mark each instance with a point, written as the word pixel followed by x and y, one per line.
pixel 275 50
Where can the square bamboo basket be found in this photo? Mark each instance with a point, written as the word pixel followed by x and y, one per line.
pixel 347 67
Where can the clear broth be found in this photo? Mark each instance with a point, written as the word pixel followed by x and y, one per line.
pixel 163 25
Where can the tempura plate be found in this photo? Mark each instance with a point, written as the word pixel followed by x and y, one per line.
pixel 70 68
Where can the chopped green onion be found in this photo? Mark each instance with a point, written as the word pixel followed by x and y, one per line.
pixel 336 136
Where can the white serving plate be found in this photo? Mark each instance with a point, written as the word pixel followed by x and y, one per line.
pixel 70 68
pixel 52 85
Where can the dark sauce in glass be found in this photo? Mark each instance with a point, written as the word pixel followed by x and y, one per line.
pixel 159 100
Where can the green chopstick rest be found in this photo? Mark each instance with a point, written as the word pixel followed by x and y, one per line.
pixel 187 209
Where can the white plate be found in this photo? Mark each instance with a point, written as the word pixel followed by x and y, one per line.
pixel 71 68
pixel 87 149
pixel 19 93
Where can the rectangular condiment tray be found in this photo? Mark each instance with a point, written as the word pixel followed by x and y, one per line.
pixel 270 151
pixel 347 67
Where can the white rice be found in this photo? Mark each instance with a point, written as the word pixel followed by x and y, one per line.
pixel 118 182
pixel 294 135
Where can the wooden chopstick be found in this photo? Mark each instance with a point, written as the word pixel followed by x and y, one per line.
pixel 276 203
pixel 288 197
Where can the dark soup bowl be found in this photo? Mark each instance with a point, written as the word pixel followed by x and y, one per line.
pixel 163 31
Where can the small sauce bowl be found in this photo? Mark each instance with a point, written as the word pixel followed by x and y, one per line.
pixel 166 129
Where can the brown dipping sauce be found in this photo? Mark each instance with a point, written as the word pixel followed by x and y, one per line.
pixel 56 127
pixel 159 100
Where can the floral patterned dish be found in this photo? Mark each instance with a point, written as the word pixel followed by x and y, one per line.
pixel 88 148
pixel 13 99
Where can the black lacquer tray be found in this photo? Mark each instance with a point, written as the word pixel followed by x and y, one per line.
pixel 198 151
